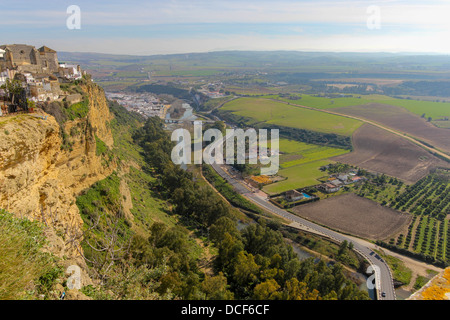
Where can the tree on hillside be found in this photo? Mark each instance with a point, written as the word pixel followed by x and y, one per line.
pixel 343 247
pixel 16 94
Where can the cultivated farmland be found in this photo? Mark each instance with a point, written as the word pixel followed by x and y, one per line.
pixel 401 120
pixel 296 153
pixel 297 177
pixel 428 201
pixel 435 110
pixel 356 215
pixel 281 114
pixel 300 163
pixel 378 150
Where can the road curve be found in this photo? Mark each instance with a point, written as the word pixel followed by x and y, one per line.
pixel 383 276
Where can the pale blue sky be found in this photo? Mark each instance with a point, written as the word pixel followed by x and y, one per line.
pixel 152 27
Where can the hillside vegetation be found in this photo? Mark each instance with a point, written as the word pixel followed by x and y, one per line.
pixel 26 272
pixel 151 231
pixel 252 263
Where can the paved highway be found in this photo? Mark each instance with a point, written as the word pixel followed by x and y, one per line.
pixel 383 277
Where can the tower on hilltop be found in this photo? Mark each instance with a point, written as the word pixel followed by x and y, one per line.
pixel 25 58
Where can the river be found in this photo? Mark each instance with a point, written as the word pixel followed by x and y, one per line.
pixel 187 115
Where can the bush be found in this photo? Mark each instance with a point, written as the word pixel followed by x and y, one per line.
pixel 101 147
pixel 77 110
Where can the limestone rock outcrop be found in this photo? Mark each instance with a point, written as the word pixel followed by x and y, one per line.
pixel 41 173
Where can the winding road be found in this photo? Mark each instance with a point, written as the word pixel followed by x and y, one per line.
pixel 380 270
pixel 383 277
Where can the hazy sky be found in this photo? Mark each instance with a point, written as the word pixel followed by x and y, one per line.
pixel 152 27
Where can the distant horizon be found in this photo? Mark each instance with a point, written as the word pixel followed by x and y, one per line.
pixel 156 27
pixel 274 50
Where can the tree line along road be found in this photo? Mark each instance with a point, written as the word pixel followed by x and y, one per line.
pixel 384 284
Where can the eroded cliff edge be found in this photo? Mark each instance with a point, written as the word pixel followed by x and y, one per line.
pixel 44 167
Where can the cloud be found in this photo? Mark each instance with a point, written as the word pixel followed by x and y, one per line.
pixel 146 27
pixel 134 13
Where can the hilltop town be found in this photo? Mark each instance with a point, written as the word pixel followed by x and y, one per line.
pixel 31 77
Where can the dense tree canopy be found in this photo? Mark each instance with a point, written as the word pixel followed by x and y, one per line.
pixel 253 263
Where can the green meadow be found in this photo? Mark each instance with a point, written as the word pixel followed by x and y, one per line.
pixel 435 110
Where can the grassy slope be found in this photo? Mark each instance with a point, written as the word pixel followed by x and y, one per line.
pixel 25 270
pixel 147 207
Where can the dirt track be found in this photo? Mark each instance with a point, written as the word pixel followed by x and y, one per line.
pixel 355 215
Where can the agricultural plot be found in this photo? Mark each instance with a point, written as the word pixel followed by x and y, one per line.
pixel 441 124
pixel 281 114
pixel 427 237
pixel 401 120
pixel 428 202
pixel 429 196
pixel 329 103
pixel 378 150
pixel 435 110
pixel 297 177
pixel 300 163
pixel 297 153
pixel 355 215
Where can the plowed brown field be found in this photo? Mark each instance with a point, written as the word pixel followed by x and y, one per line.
pixel 401 120
pixel 380 151
pixel 355 215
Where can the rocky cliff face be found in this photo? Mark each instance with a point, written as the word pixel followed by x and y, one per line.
pixel 99 115
pixel 40 179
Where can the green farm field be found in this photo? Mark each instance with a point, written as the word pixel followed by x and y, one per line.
pixel 300 163
pixel 297 153
pixel 299 176
pixel 279 113
pixel 435 110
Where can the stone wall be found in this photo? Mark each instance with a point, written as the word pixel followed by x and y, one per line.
pixel 29 59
